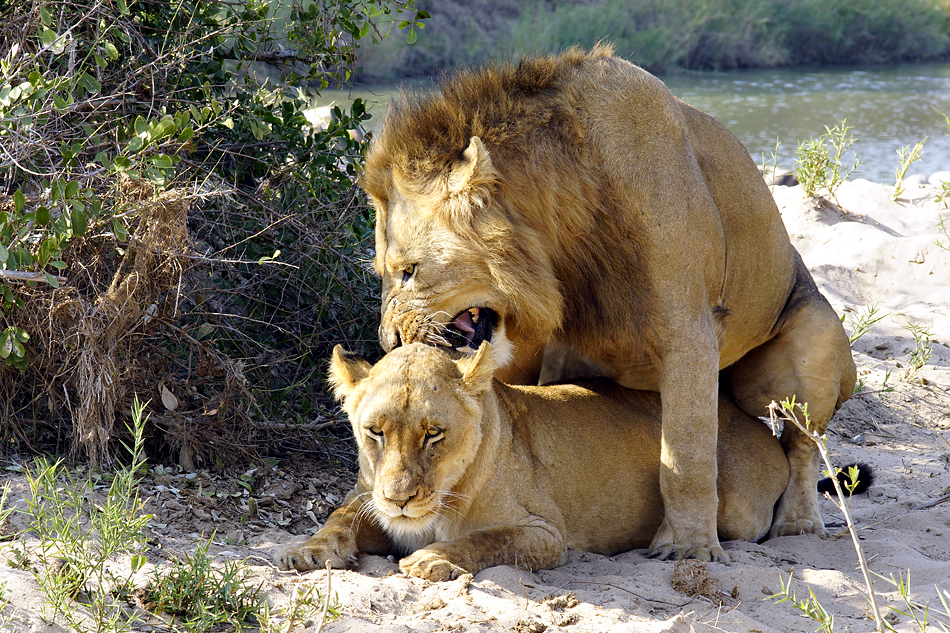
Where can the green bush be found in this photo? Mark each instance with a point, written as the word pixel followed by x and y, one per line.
pixel 681 34
pixel 171 220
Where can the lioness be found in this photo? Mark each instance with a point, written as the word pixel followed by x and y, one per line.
pixel 461 472
pixel 573 200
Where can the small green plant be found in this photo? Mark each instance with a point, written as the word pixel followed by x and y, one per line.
pixel 819 164
pixel 943 197
pixel 305 603
pixel 861 324
pixel 201 596
pixel 4 603
pixel 919 613
pixel 788 412
pixel 907 157
pixel 80 532
pixel 770 163
pixel 921 352
pixel 942 225
pixel 810 606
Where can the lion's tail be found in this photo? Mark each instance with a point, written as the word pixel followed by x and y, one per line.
pixel 864 480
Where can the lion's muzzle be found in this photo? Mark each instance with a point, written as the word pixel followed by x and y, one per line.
pixel 389 338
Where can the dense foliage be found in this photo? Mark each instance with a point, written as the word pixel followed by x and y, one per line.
pixel 176 220
pixel 664 35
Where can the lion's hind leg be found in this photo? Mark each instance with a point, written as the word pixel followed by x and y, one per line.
pixel 809 359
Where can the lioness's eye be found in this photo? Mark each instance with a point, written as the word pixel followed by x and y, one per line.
pixel 375 431
pixel 407 272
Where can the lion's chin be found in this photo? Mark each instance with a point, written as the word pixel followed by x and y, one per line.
pixel 410 533
pixel 470 328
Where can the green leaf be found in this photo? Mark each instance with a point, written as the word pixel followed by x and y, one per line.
pixel 100 61
pixel 123 7
pixel 45 16
pixel 19 201
pixel 78 221
pixel 47 37
pixel 121 163
pixel 72 188
pixel 53 283
pixel 22 335
pixel 186 134
pixel 42 216
pixel 110 50
pixel 4 254
pixel 121 233
pixel 411 37
pixel 141 125
pixel 58 264
pixel 6 344
pixel 135 145
pixel 156 176
pixel 163 161
pixel 90 83
pixel 137 561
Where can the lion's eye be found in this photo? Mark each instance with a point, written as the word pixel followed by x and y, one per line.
pixel 407 272
pixel 433 435
pixel 375 431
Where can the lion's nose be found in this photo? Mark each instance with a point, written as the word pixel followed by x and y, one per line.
pixel 401 498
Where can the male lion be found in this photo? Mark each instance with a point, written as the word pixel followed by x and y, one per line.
pixel 573 200
pixel 461 472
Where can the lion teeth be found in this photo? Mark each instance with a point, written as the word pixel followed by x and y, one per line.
pixel 474 313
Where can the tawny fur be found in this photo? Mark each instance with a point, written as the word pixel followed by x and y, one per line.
pixel 516 474
pixel 575 197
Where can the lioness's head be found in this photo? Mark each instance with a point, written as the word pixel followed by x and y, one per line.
pixel 416 416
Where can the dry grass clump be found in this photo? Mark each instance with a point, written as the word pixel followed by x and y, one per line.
pixel 103 337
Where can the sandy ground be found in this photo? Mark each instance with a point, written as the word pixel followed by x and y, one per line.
pixel 873 252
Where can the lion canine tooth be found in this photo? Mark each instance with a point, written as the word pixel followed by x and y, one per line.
pixel 474 313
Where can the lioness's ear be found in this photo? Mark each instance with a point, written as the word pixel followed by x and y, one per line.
pixel 478 369
pixel 346 370
pixel 474 174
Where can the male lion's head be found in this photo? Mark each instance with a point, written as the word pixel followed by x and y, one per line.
pixel 456 269
pixel 416 416
pixel 464 182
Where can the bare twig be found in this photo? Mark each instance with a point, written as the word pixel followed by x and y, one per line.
pixel 41 277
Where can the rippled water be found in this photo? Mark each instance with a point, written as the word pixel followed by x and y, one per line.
pixel 887 107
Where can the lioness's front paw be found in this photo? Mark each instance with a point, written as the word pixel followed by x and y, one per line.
pixel 315 555
pixel 430 566
pixel 672 551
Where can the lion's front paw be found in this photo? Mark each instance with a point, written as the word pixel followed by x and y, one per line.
pixel 666 546
pixel 672 551
pixel 430 565
pixel 314 554
pixel 798 526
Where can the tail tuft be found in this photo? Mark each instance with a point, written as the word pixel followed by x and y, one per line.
pixel 864 481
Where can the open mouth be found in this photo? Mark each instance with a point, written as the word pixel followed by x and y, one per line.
pixel 470 327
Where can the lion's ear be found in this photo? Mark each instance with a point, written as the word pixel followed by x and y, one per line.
pixel 478 369
pixel 474 174
pixel 346 370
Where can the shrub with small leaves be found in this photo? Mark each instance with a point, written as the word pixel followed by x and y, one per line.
pixel 106 107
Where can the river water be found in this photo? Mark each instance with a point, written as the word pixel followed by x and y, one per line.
pixel 887 108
